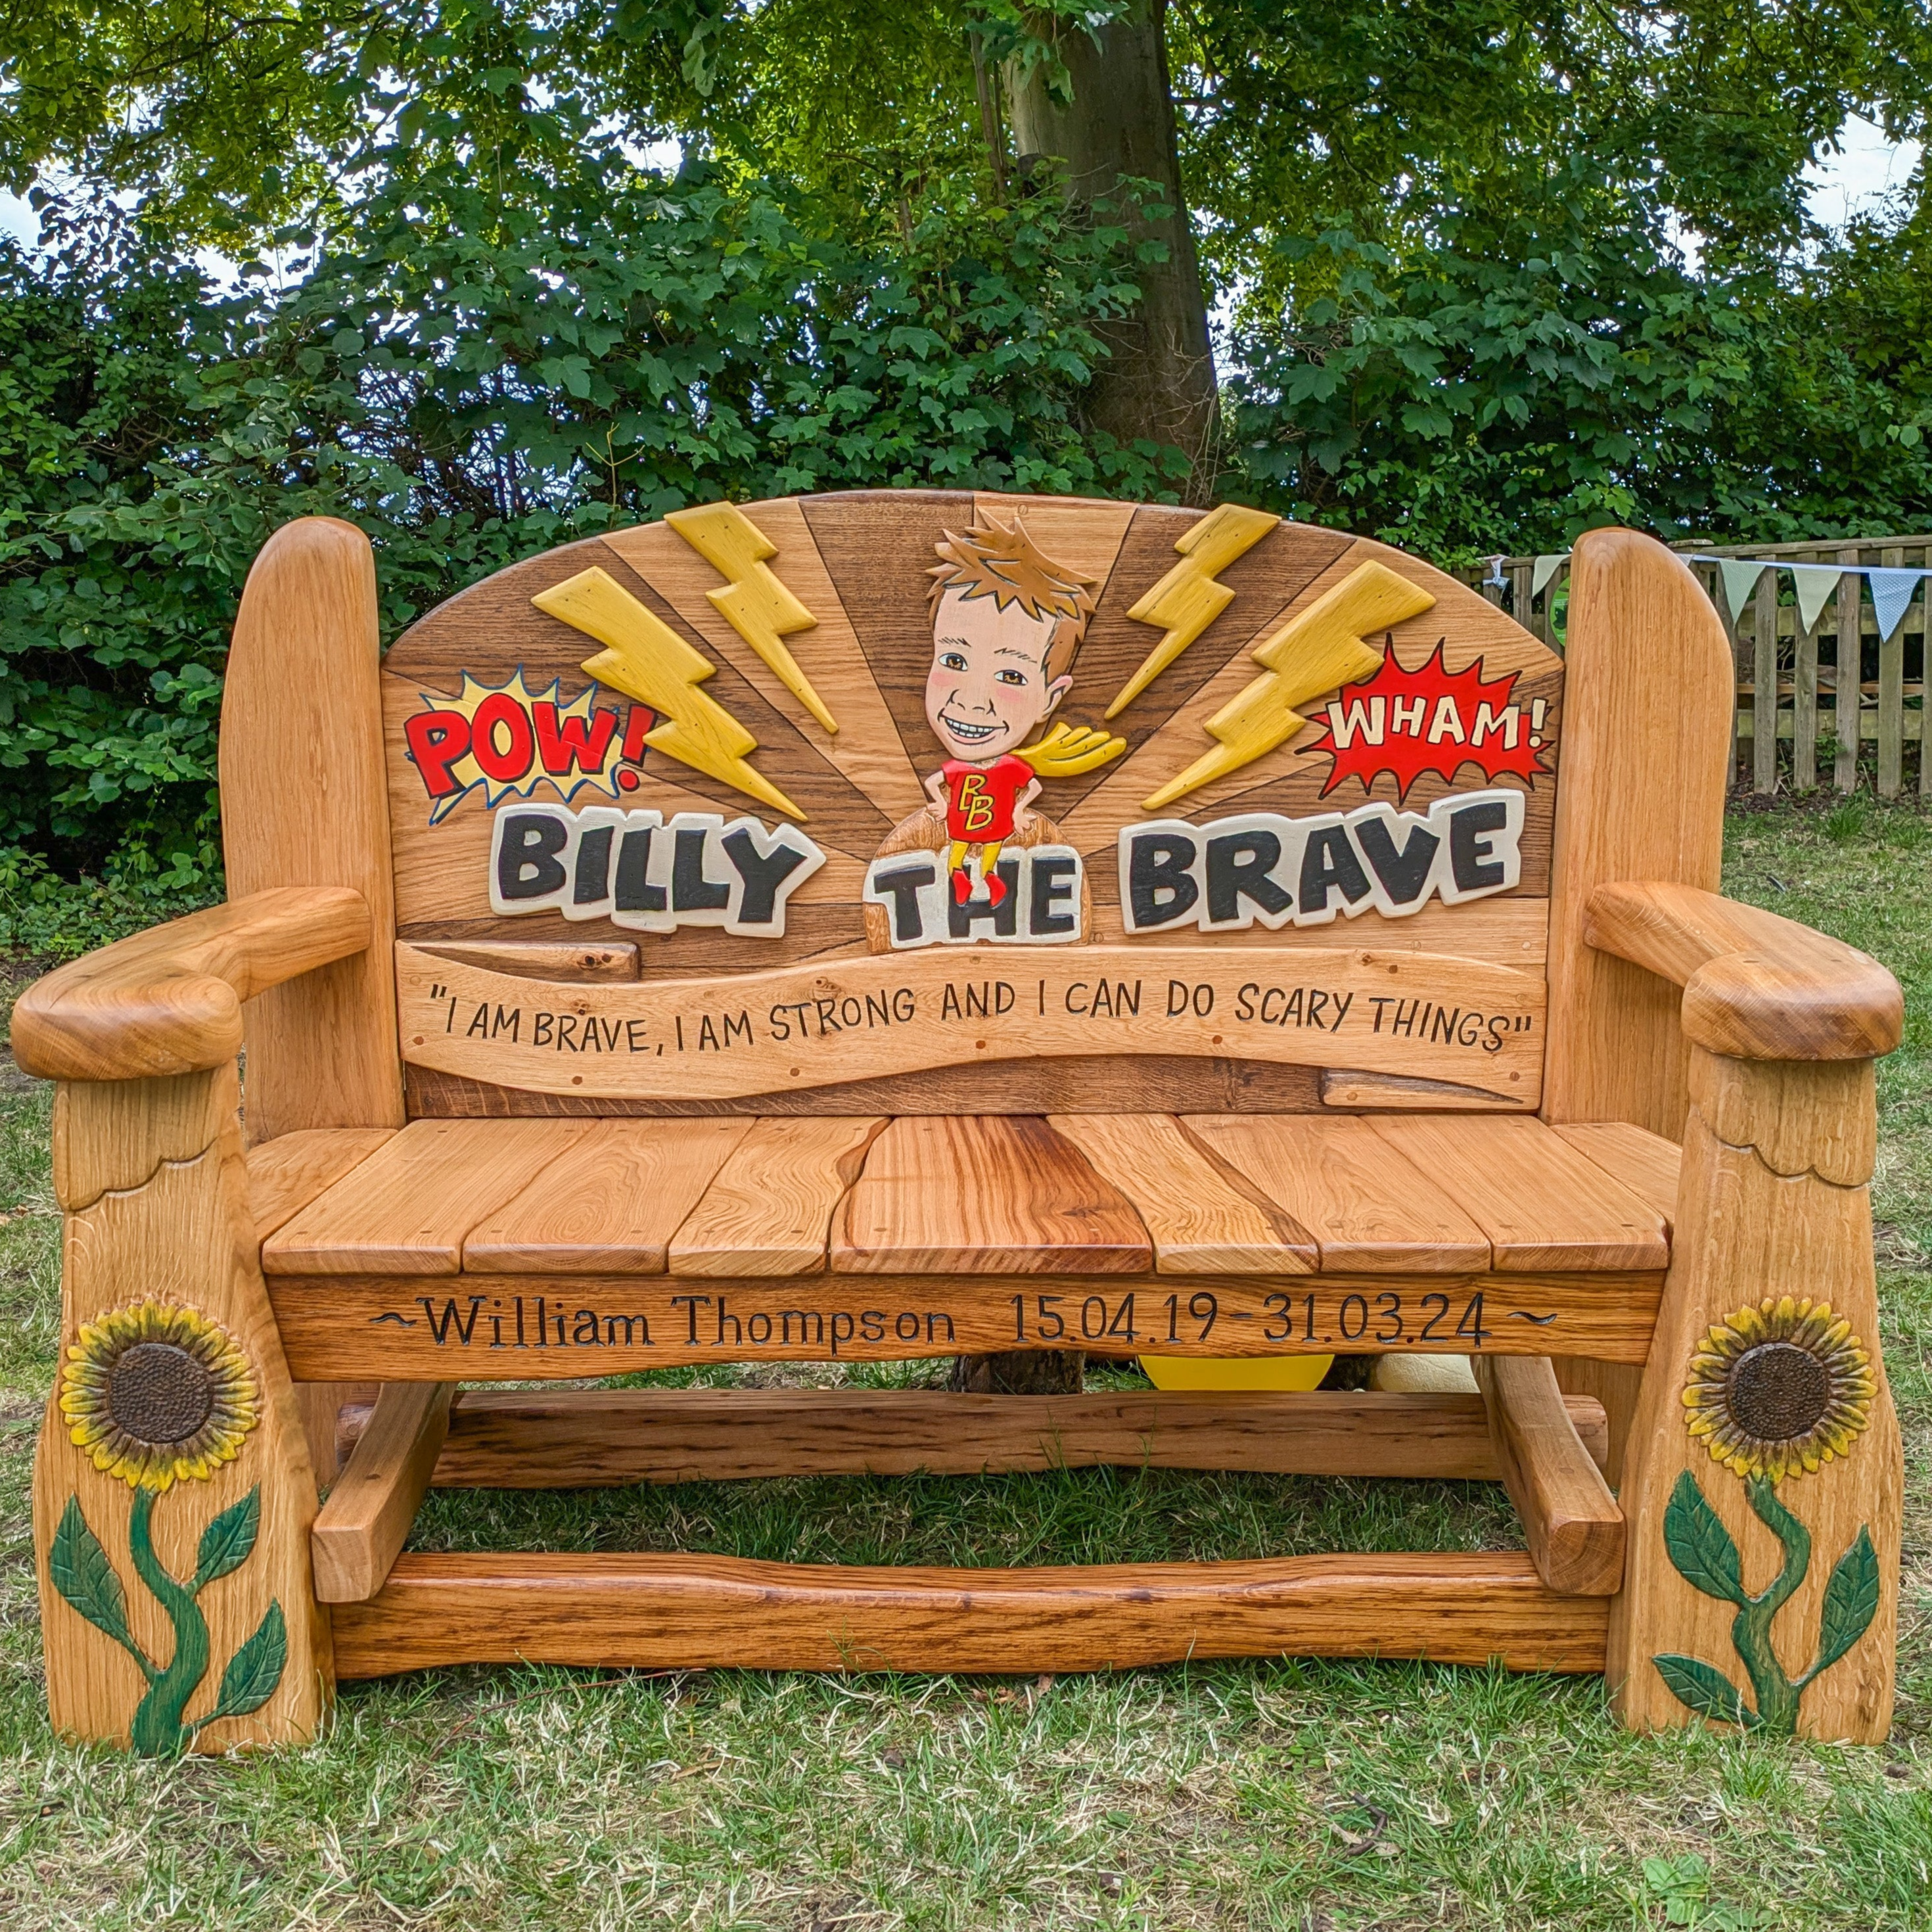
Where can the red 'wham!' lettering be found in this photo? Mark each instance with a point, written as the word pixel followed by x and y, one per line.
pixel 1430 719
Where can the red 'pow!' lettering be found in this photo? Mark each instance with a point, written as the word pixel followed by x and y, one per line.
pixel 1409 722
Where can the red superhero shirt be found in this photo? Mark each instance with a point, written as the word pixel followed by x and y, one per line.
pixel 980 799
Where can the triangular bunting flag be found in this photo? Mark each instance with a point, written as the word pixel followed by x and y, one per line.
pixel 1546 567
pixel 1741 575
pixel 1891 594
pixel 1814 583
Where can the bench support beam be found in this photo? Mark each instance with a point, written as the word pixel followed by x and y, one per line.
pixel 571 1439
pixel 702 1611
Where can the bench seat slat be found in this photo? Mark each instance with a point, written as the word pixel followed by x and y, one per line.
pixel 1202 1218
pixel 1646 1163
pixel 1065 1196
pixel 1542 1204
pixel 285 1174
pixel 768 1213
pixel 406 1209
pixel 1369 1209
pixel 985 1194
pixel 610 1203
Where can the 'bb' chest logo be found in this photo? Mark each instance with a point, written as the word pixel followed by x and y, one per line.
pixel 976 807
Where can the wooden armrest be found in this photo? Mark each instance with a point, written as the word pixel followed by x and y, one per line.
pixel 168 1000
pixel 1756 986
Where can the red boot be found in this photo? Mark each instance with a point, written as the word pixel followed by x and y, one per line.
pixel 962 885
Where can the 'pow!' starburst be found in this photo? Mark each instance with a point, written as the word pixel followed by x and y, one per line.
pixel 507 740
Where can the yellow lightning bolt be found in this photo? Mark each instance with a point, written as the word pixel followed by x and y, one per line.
pixel 1310 654
pixel 646 660
pixel 1187 599
pixel 754 603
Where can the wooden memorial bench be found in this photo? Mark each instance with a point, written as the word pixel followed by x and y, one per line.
pixel 903 925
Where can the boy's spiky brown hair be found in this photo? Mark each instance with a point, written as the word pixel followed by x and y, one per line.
pixel 993 560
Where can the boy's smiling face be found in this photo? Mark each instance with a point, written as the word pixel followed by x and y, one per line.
pixel 988 688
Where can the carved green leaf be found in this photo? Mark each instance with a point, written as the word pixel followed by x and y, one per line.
pixel 1851 1602
pixel 226 1541
pixel 254 1670
pixel 82 1574
pixel 1706 1690
pixel 1699 1545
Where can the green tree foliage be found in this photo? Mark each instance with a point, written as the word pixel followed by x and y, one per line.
pixel 1528 377
pixel 469 379
pixel 1489 274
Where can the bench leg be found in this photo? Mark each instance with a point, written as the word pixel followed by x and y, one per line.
pixel 1763 1590
pixel 321 1405
pixel 173 1492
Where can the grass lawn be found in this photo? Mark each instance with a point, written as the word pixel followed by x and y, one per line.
pixel 1270 1794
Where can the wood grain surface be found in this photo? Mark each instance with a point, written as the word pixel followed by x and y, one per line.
pixel 543 959
pixel 285 1174
pixel 1646 757
pixel 768 1211
pixel 1349 1088
pixel 1570 1521
pixel 1745 1232
pixel 869 746
pixel 1368 1207
pixel 1080 1083
pixel 988 1194
pixel 1541 1203
pixel 609 1203
pixel 852 1019
pixel 857 562
pixel 1236 1195
pixel 1645 1162
pixel 1201 1216
pixel 568 1438
pixel 434 1328
pixel 304 804
pixel 181 1233
pixel 406 1209
pixel 698 1611
pixel 1801 1116
pixel 1755 985
pixel 168 1000
pixel 362 1527
pixel 114 1135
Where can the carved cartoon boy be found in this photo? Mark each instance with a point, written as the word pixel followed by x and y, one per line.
pixel 1006 621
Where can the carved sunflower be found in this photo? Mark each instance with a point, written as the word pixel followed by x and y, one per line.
pixel 1780 1389
pixel 158 1394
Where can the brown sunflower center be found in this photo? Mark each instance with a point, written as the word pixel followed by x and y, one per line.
pixel 159 1393
pixel 1779 1391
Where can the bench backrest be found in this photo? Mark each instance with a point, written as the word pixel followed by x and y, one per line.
pixel 672 827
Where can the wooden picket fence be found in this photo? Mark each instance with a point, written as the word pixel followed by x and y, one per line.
pixel 1803 747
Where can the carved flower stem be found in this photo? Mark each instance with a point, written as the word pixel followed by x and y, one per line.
pixel 158 1728
pixel 1777 1696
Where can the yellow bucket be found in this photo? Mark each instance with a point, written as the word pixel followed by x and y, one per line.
pixel 1235 1372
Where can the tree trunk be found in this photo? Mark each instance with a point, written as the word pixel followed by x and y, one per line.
pixel 1160 382
pixel 1021 1371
